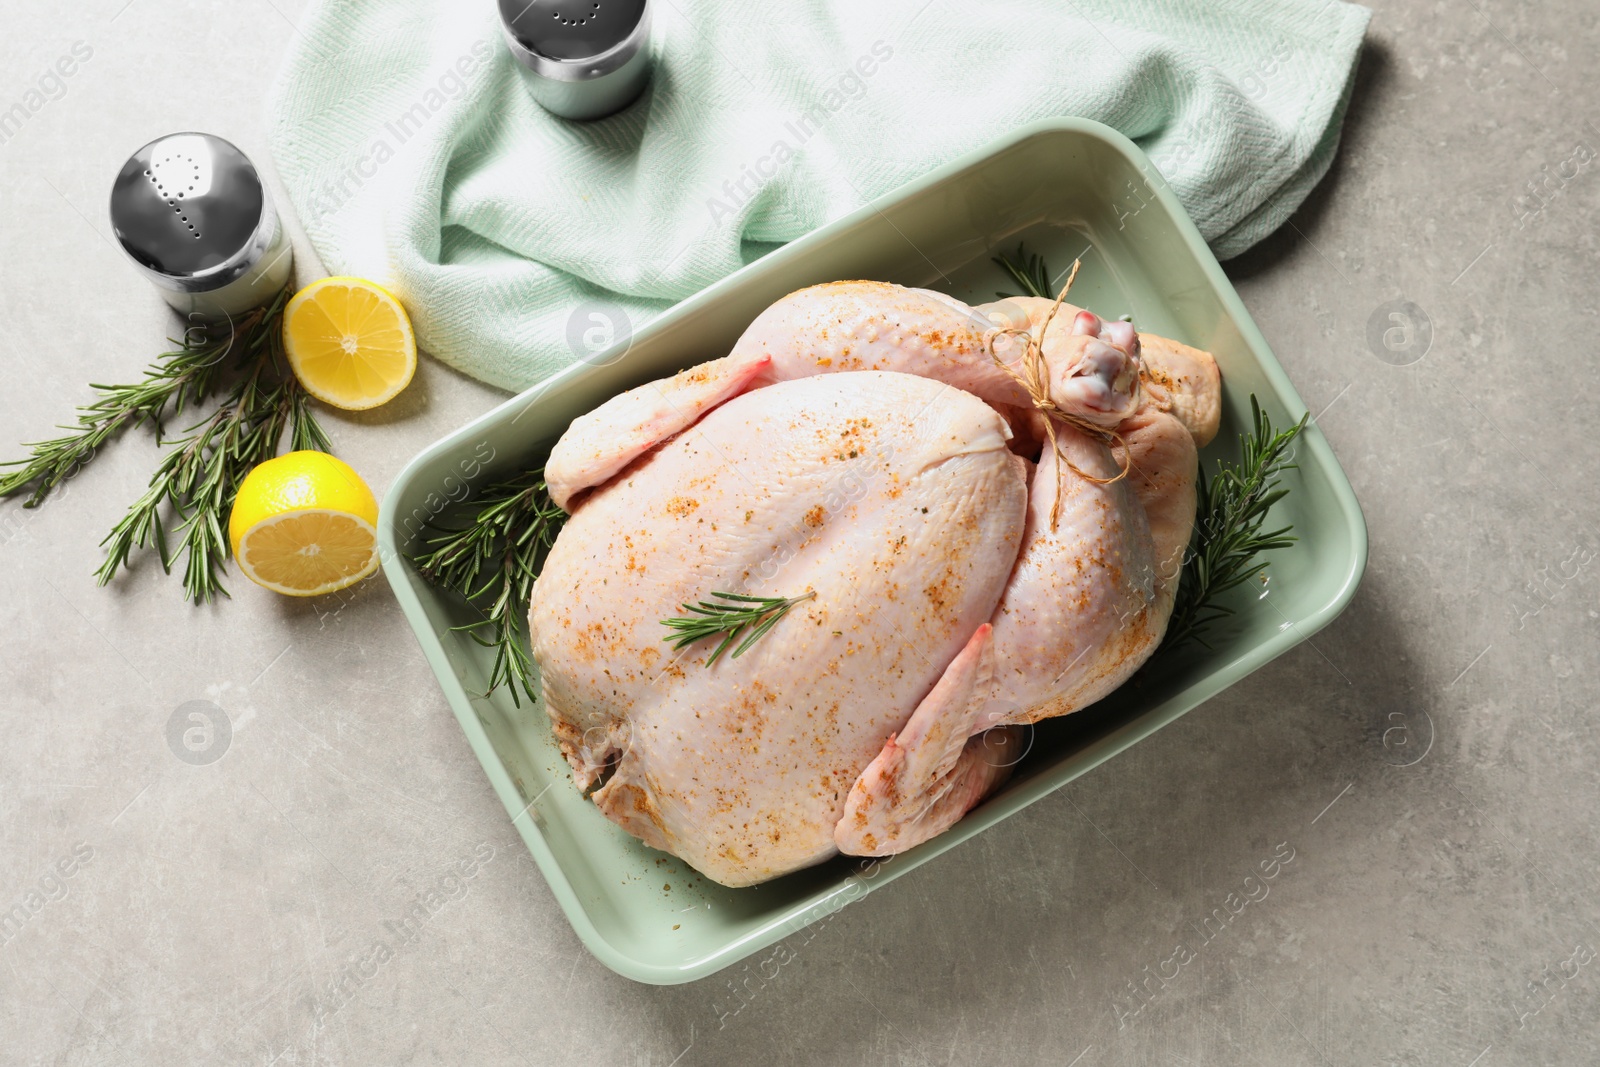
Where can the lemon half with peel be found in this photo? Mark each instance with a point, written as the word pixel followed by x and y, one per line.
pixel 304 524
pixel 350 342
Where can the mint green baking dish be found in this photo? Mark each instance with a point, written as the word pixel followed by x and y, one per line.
pixel 1067 187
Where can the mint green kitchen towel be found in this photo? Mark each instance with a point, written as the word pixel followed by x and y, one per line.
pixel 415 156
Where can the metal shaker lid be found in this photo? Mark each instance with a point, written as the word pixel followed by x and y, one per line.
pixel 573 40
pixel 188 206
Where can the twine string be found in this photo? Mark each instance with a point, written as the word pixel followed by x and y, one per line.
pixel 1033 375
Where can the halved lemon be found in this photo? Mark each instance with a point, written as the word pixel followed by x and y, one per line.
pixel 304 524
pixel 349 342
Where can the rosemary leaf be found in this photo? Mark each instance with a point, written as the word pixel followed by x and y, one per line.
pixel 305 433
pixel 495 558
pixel 707 619
pixel 197 477
pixel 1228 537
pixel 1028 271
pixel 178 379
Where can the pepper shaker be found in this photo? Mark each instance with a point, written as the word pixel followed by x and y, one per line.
pixel 582 59
pixel 192 212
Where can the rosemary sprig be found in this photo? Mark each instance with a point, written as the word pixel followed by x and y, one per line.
pixel 1028 270
pixel 194 484
pixel 198 479
pixel 1228 536
pixel 709 619
pixel 495 557
pixel 178 379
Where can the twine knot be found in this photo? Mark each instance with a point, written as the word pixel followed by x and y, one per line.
pixel 1033 375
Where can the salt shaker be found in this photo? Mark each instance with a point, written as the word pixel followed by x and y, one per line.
pixel 582 59
pixel 192 212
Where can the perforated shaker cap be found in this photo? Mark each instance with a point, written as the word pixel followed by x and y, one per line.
pixel 583 38
pixel 188 207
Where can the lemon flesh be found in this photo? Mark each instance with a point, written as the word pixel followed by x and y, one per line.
pixel 304 524
pixel 350 342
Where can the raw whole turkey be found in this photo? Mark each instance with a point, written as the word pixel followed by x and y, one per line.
pixel 981 549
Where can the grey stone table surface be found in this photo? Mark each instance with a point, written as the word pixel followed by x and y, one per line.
pixel 1430 761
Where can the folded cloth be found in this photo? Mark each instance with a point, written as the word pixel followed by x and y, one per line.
pixel 415 155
